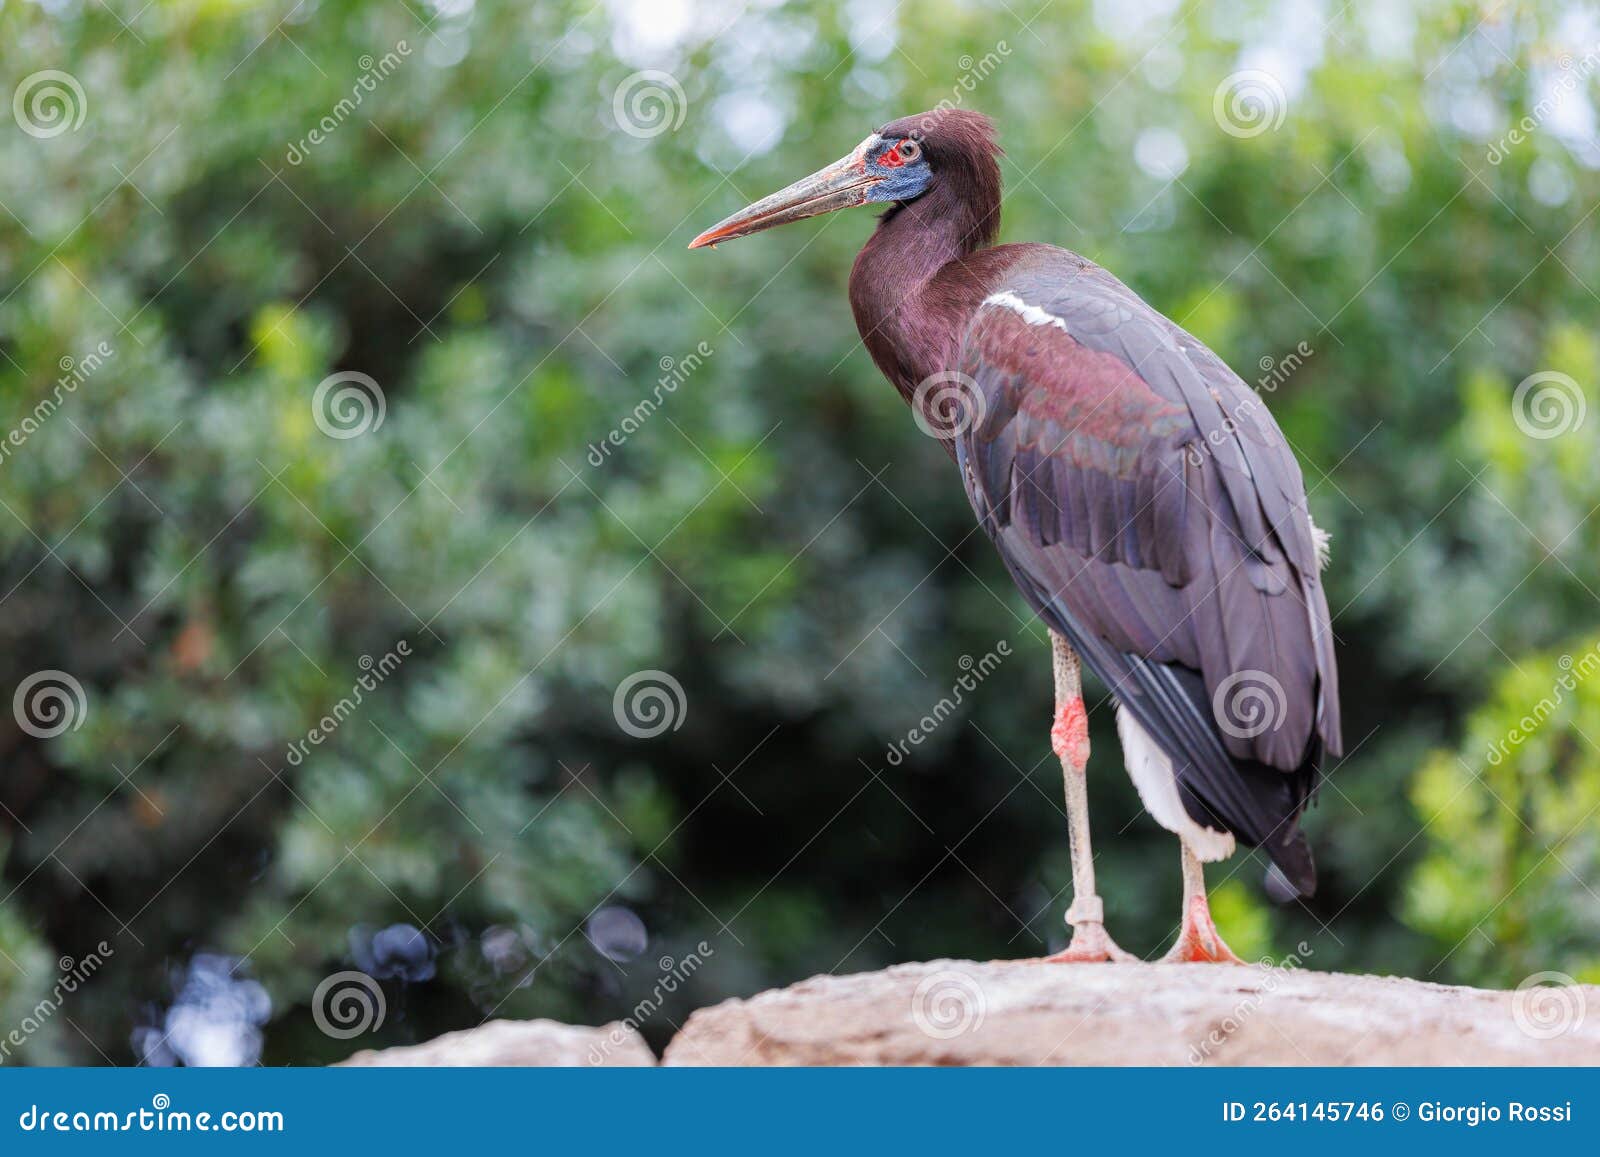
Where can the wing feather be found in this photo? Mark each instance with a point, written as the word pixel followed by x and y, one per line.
pixel 1153 513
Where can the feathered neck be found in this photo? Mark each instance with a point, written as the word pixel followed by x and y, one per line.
pixel 910 332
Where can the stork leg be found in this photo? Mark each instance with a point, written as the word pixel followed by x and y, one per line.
pixel 1198 939
pixel 1070 739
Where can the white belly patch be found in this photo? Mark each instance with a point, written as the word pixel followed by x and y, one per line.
pixel 1151 772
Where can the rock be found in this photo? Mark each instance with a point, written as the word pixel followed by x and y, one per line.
pixel 511 1043
pixel 957 1012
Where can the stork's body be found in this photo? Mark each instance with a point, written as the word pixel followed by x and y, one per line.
pixel 1143 500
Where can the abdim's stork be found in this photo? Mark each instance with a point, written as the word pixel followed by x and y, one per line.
pixel 1144 501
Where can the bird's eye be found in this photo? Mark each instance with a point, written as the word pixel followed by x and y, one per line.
pixel 910 150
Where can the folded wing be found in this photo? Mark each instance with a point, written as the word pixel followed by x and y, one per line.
pixel 1152 512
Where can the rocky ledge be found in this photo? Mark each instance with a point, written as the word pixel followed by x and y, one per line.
pixel 959 1012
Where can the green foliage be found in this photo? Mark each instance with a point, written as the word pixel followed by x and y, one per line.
pixel 1510 816
pixel 480 238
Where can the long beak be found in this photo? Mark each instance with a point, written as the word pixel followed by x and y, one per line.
pixel 842 184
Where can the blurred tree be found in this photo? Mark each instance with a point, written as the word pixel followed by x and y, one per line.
pixel 385 289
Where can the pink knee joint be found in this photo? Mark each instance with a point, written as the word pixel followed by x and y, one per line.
pixel 1070 735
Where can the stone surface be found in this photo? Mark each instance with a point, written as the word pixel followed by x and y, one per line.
pixel 510 1043
pixel 957 1012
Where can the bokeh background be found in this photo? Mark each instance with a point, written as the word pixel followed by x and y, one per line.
pixel 317 320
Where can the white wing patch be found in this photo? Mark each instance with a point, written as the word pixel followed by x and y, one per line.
pixel 1031 314
pixel 1151 772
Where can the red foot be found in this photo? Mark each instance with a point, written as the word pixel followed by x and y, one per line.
pixel 1070 736
pixel 1198 941
pixel 1090 945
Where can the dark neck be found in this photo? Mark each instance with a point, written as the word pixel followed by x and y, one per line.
pixel 909 317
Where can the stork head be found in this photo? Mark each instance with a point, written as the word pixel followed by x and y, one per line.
pixel 900 162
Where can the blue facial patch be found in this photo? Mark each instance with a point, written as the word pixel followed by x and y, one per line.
pixel 902 169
